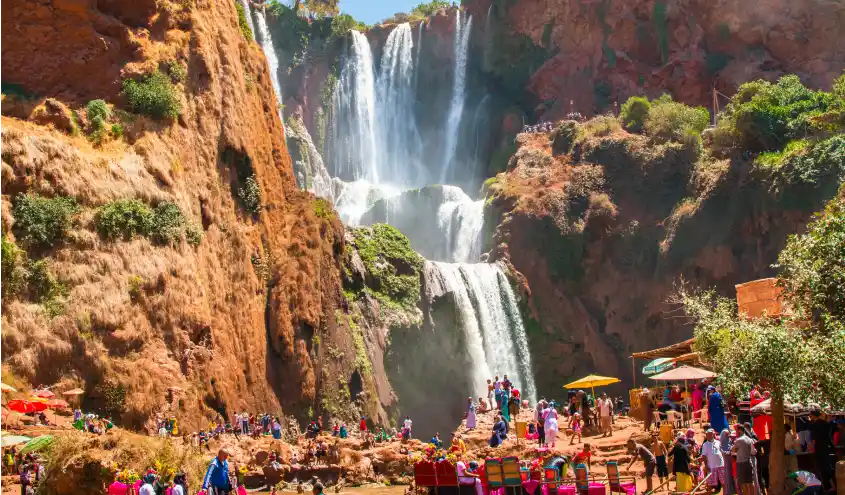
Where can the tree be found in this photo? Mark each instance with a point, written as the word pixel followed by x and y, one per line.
pixel 813 265
pixel 776 354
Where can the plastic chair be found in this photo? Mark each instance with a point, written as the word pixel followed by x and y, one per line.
pixel 551 476
pixel 447 474
pixel 493 473
pixel 615 482
pixel 582 481
pixel 667 432
pixel 425 475
pixel 512 473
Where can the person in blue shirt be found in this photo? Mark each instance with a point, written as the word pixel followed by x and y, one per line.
pixel 216 479
pixel 436 441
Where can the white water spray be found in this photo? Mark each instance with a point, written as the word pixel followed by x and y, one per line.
pixel 266 41
pixel 495 338
pixel 456 107
pixel 354 152
pixel 460 220
pixel 398 142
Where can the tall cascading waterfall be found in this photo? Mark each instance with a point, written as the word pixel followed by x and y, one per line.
pixel 398 140
pixel 456 106
pixel 354 149
pixel 376 154
pixel 496 339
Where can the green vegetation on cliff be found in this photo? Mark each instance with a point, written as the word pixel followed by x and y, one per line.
pixel 153 94
pixel 127 218
pixel 393 267
pixel 43 222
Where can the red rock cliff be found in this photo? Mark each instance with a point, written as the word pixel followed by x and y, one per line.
pixel 239 321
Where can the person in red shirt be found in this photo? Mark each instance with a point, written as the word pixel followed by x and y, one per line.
pixel 363 426
pixel 584 457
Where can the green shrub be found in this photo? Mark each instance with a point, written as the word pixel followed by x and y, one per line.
pixel 177 71
pixel 152 95
pixel 763 116
pixel 564 137
pixel 394 265
pixel 242 22
pixel 124 219
pixel 323 209
pixel 13 274
pixel 634 113
pixel 168 223
pixel 673 121
pixel 250 195
pixel 193 234
pixel 117 131
pixel 805 178
pixel 136 283
pixel 45 289
pixel 97 110
pixel 41 221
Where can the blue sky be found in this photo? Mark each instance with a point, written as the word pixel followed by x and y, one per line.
pixel 372 11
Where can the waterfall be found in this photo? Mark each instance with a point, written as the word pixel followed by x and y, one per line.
pixel 495 338
pixel 354 150
pixel 456 107
pixel 248 14
pixel 272 59
pixel 308 167
pixel 505 341
pixel 398 141
pixel 417 56
pixel 476 129
pixel 452 279
pixel 460 220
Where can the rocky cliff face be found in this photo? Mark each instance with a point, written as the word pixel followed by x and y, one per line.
pixel 597 52
pixel 600 238
pixel 241 320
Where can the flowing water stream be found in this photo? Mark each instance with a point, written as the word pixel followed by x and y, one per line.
pixel 383 172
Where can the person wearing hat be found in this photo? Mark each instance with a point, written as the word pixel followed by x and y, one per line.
pixel 216 479
pixel 711 455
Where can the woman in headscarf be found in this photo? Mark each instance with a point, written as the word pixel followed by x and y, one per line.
pixel 716 410
pixel 725 445
pixel 506 414
pixel 470 414
pixel 500 432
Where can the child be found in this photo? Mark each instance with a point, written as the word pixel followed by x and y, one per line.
pixel 575 424
pixel 584 457
pixel 660 453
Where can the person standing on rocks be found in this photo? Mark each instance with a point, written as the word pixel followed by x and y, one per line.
pixel 605 406
pixel 640 451
pixel 406 428
pixel 490 393
pixel 470 414
pixel 540 418
pixel 497 390
pixel 216 479
pixel 362 426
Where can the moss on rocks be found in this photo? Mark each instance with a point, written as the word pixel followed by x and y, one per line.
pixel 392 266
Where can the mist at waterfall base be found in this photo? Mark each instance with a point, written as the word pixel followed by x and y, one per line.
pixel 395 154
pixel 395 170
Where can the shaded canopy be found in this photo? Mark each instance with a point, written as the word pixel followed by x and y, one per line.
pixel 670 351
pixel 658 365
pixel 684 373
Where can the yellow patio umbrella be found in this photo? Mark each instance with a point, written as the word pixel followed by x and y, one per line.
pixel 592 381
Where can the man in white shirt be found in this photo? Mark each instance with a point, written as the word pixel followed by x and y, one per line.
pixel 468 478
pixel 605 407
pixel 715 463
